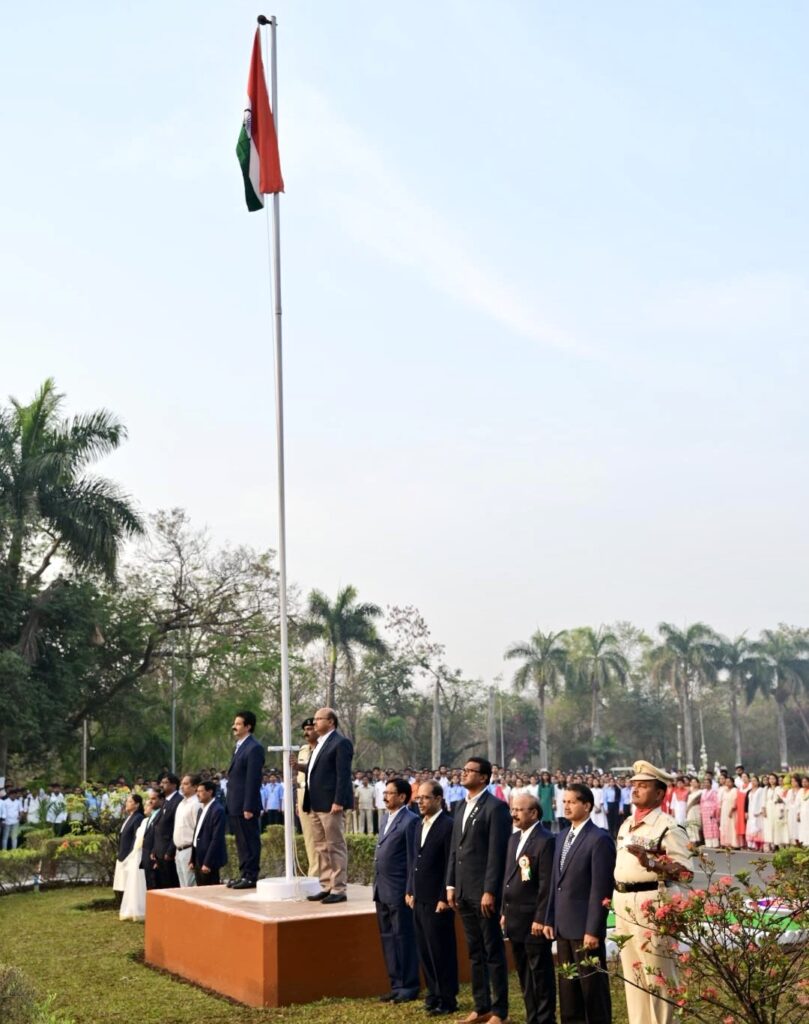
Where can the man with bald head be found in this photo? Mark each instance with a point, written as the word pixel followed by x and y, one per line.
pixel 328 792
pixel 526 888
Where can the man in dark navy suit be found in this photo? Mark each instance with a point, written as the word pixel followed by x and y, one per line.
pixel 164 850
pixel 428 857
pixel 243 798
pixel 328 793
pixel 393 915
pixel 526 885
pixel 477 860
pixel 581 889
pixel 209 852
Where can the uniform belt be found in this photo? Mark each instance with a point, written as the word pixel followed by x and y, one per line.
pixel 181 848
pixel 635 886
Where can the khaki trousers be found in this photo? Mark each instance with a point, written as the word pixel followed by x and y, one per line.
pixel 643 1006
pixel 332 855
pixel 308 837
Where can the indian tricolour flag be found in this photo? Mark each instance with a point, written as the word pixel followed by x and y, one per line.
pixel 257 148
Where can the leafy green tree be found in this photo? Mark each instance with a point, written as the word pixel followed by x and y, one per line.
pixel 51 507
pixel 544 661
pixel 595 663
pixel 344 628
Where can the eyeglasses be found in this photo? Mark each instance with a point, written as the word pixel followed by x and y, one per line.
pixel 469 771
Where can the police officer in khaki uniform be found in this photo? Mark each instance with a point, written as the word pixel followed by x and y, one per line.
pixel 653 854
pixel 308 727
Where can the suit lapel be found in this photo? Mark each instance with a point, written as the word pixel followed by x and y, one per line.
pixel 578 842
pixel 319 759
pixel 394 825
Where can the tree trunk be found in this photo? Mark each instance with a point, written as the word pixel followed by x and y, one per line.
pixel 436 737
pixel 801 715
pixel 688 725
pixel 543 729
pixel 782 733
pixel 330 689
pixel 3 751
pixel 491 730
pixel 595 714
pixel 735 724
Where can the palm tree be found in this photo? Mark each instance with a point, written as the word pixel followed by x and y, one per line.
pixel 687 657
pixel 786 663
pixel 544 660
pixel 744 669
pixel 595 660
pixel 51 507
pixel 343 627
pixel 45 491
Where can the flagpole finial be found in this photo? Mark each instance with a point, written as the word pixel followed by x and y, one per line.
pixel 262 20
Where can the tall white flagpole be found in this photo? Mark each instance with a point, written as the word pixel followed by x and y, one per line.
pixel 286 710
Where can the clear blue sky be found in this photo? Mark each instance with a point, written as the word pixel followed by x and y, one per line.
pixel 545 294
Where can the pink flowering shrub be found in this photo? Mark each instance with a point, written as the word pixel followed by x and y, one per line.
pixel 739 949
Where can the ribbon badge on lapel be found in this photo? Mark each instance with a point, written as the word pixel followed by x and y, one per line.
pixel 525 868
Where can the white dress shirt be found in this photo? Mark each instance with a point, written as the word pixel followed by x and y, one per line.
pixel 470 803
pixel 200 820
pixel 320 741
pixel 184 821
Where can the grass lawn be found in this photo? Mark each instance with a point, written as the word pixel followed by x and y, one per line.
pixel 91 962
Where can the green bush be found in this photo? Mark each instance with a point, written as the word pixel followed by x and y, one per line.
pixel 791 860
pixel 17 997
pixel 360 856
pixel 19 1002
pixel 32 837
pixel 17 868
pixel 88 857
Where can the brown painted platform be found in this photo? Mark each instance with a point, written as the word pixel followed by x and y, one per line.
pixel 270 954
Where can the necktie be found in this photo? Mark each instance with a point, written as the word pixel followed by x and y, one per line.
pixel 566 848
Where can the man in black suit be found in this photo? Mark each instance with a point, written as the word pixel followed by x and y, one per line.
pixel 393 914
pixel 581 890
pixel 329 790
pixel 428 858
pixel 526 885
pixel 477 860
pixel 243 798
pixel 164 850
pixel 208 849
pixel 154 809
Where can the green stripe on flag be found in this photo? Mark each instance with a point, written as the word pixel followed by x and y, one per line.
pixel 254 201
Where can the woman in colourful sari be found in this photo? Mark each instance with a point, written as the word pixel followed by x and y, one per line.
pixel 709 810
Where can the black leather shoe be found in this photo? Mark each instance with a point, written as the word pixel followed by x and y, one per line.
pixel 335 897
pixel 404 999
pixel 319 895
pixel 231 882
pixel 388 997
pixel 244 883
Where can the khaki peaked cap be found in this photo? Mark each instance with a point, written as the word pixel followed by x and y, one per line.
pixel 644 771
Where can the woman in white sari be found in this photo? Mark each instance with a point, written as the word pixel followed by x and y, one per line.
pixel 133 903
